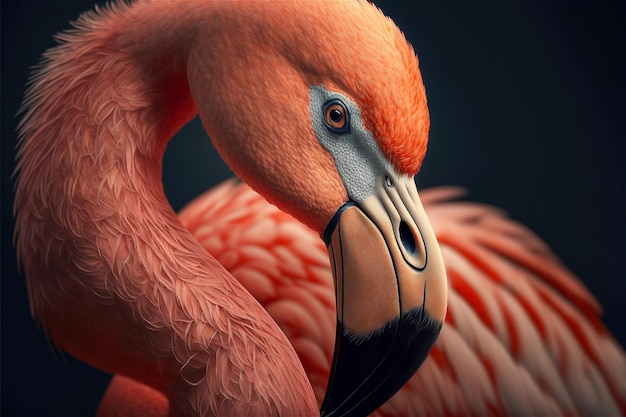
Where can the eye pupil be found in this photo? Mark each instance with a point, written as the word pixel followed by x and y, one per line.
pixel 336 115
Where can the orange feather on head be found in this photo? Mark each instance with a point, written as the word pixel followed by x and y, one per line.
pixel 378 68
pixel 270 76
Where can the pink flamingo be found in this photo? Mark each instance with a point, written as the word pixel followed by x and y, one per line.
pixel 118 282
pixel 504 348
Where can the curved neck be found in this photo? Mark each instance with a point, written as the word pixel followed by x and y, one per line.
pixel 118 282
pixel 148 48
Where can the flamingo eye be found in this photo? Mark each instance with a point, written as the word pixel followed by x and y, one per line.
pixel 336 116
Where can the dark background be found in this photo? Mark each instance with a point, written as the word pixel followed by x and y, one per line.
pixel 528 107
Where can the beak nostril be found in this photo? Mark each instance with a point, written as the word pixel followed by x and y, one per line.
pixel 407 238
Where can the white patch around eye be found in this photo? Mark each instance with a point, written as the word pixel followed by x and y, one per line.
pixel 357 156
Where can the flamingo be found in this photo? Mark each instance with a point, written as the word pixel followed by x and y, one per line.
pixel 117 281
pixel 610 369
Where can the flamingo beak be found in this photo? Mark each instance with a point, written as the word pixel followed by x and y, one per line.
pixel 391 294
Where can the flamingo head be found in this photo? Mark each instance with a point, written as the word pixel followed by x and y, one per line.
pixel 321 108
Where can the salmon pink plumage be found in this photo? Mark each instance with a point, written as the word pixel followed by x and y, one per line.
pixel 522 335
pixel 237 308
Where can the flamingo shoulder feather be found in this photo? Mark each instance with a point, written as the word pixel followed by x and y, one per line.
pixel 522 335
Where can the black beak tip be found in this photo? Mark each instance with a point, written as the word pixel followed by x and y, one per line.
pixel 369 369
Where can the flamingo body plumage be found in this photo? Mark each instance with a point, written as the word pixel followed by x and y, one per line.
pixel 522 334
pixel 105 256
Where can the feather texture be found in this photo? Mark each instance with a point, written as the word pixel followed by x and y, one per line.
pixel 120 283
pixel 522 336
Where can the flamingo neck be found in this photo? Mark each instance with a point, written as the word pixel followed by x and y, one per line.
pixel 112 274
